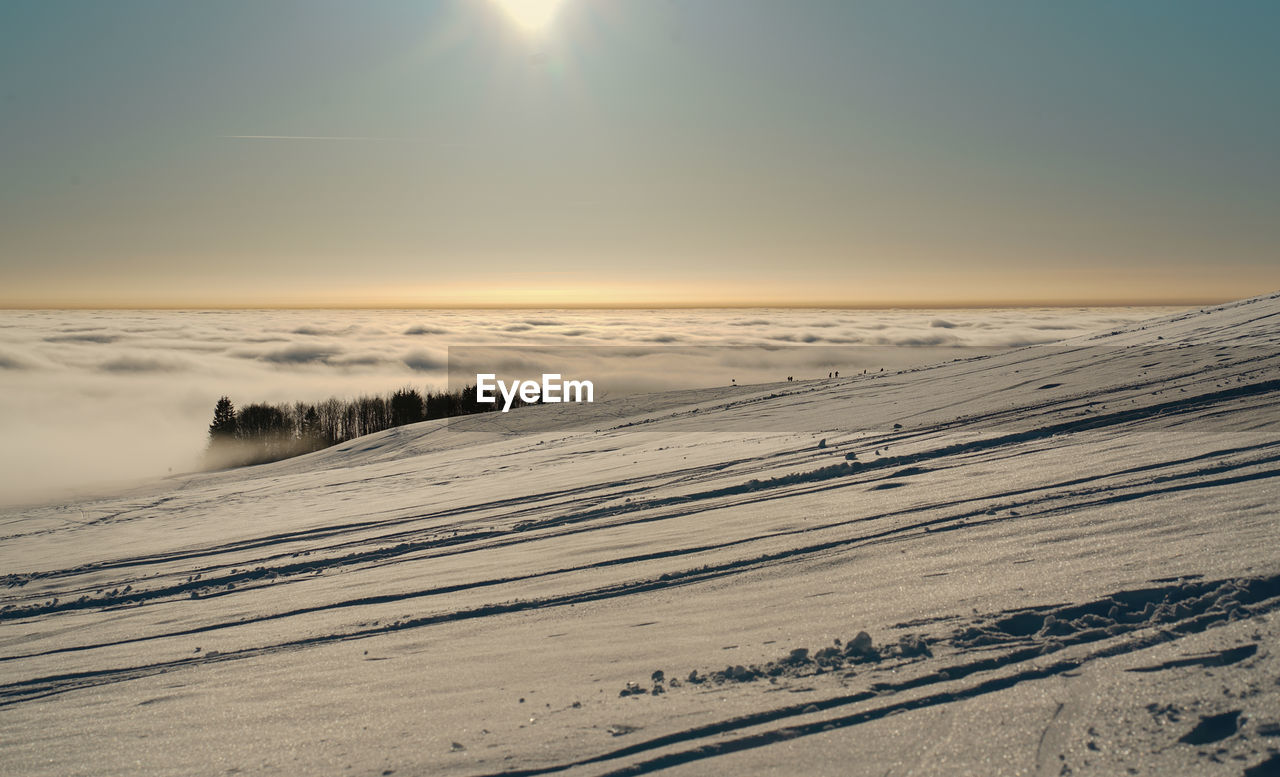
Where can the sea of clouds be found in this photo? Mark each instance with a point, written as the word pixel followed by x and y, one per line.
pixel 93 399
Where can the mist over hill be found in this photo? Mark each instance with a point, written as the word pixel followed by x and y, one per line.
pixel 92 399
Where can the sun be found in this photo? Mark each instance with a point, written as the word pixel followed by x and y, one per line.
pixel 531 16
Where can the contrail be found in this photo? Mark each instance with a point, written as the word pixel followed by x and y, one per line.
pixel 307 137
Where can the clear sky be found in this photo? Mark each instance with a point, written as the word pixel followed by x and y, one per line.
pixel 689 152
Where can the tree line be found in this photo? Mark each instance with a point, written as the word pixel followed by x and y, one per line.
pixel 258 433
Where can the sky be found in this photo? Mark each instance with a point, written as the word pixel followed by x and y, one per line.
pixel 436 153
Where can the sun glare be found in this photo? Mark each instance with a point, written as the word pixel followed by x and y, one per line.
pixel 531 16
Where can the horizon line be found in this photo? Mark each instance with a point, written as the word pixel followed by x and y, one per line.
pixel 749 305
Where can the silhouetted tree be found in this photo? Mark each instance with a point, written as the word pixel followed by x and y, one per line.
pixel 407 407
pixel 261 422
pixel 372 414
pixel 223 428
pixel 310 432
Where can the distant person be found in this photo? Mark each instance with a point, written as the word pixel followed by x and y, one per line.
pixel 837 373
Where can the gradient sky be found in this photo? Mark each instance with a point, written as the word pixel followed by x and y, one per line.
pixel 431 152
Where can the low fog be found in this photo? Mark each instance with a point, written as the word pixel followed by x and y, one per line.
pixel 94 400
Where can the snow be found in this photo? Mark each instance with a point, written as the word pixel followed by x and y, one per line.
pixel 384 605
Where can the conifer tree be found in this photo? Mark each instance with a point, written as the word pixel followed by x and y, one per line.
pixel 223 428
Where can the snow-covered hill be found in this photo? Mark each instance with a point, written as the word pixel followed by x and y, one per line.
pixel 1066 558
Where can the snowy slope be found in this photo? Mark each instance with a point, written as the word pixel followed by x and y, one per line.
pixel 1018 534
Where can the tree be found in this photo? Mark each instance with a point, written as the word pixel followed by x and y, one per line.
pixel 262 422
pixel 223 428
pixel 406 407
pixel 310 427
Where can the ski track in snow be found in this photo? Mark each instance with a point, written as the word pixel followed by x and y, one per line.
pixel 1027 517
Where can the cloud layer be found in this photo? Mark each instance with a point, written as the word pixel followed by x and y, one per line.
pixel 95 397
